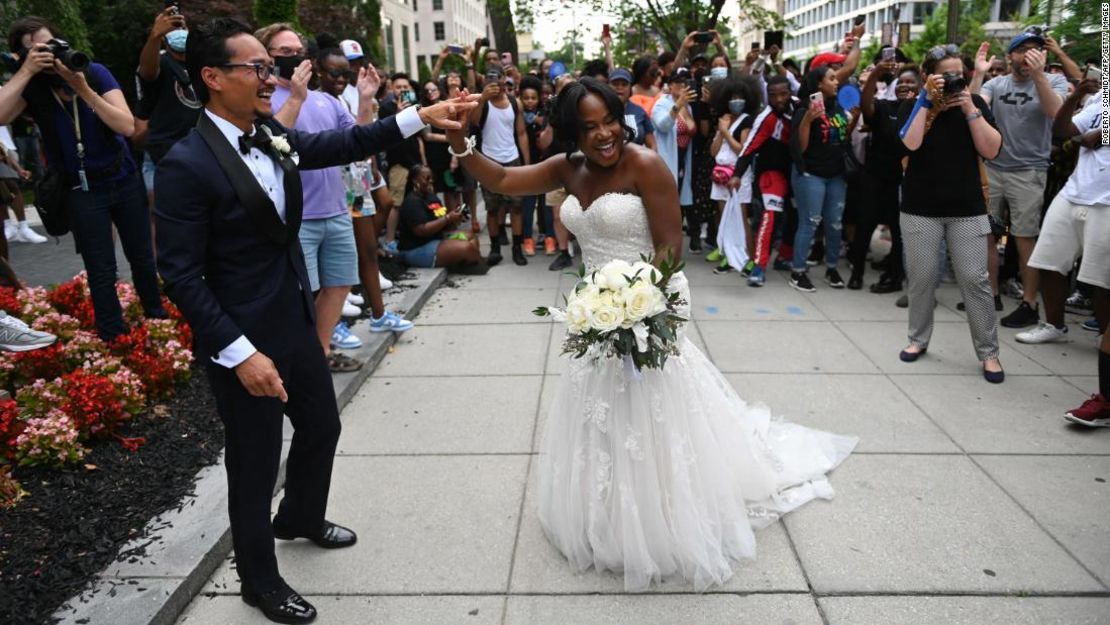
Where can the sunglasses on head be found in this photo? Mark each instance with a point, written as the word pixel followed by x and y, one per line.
pixel 940 52
pixel 1039 31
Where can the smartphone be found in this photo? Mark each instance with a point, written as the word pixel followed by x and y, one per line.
pixel 1093 73
pixel 175 5
pixel 887 54
pixel 703 37
pixel 859 19
pixel 605 31
pixel 817 101
pixel 506 58
pixel 455 49
pixel 773 38
pixel 483 42
pixel 887 38
pixel 755 45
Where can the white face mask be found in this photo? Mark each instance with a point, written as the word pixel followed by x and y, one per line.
pixel 718 73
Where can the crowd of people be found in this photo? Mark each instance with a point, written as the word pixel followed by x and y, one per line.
pixel 987 172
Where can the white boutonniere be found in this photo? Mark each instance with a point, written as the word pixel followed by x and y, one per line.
pixel 281 144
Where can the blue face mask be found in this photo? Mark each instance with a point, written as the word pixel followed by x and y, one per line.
pixel 718 73
pixel 176 40
pixel 736 107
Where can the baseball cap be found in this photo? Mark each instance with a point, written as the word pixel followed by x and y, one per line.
pixel 826 58
pixel 1016 42
pixel 351 49
pixel 620 74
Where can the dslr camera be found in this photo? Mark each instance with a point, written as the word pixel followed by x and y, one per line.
pixel 75 60
pixel 954 82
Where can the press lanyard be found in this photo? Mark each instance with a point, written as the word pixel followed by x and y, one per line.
pixel 81 176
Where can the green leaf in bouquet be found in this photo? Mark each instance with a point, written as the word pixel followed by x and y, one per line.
pixel 541 311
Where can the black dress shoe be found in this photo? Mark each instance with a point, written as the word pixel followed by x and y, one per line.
pixel 331 536
pixel 283 605
pixel 886 284
pixel 855 283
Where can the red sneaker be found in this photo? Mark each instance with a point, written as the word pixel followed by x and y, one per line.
pixel 529 247
pixel 1095 413
pixel 549 246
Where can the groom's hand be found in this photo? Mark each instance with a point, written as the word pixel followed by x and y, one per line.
pixel 260 377
pixel 448 115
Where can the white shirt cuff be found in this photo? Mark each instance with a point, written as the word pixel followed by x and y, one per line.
pixel 408 121
pixel 233 355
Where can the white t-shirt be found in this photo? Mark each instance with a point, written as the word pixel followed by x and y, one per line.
pixel 6 139
pixel 350 97
pixel 1090 182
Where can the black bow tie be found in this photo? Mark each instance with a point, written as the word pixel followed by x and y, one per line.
pixel 258 139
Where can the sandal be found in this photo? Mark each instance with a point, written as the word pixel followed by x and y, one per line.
pixel 342 363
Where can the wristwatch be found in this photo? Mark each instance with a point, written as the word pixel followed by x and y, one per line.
pixel 973 116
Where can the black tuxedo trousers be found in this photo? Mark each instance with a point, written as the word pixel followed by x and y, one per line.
pixel 253 435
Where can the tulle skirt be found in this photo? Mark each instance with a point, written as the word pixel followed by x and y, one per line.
pixel 665 473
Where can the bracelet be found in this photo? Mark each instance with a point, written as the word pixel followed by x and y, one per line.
pixel 973 116
pixel 470 143
pixel 924 100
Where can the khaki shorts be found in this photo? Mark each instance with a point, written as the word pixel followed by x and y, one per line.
pixel 1074 230
pixel 398 176
pixel 1017 198
pixel 556 197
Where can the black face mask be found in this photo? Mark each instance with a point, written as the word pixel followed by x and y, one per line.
pixel 887 78
pixel 286 65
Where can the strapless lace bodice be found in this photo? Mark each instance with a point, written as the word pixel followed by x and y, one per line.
pixel 613 227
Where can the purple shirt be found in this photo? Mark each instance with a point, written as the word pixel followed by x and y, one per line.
pixel 324 193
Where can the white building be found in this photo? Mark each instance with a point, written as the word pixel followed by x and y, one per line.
pixel 820 24
pixel 446 22
pixel 399 34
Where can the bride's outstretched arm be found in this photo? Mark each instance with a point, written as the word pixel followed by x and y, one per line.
pixel 657 188
pixel 541 177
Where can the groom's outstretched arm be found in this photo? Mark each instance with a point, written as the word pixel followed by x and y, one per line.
pixel 181 216
pixel 332 148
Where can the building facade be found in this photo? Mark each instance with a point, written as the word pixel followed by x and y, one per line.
pixel 446 22
pixel 399 34
pixel 819 25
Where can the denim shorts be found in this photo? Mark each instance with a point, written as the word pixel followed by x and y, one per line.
pixel 423 256
pixel 329 251
pixel 148 172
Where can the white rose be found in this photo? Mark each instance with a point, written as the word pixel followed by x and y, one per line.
pixel 606 318
pixel 577 317
pixel 640 301
pixel 281 144
pixel 646 271
pixel 615 272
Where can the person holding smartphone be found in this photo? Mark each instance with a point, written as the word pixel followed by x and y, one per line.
pixel 425 225
pixel 819 141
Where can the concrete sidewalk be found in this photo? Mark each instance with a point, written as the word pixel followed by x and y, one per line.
pixel 966 504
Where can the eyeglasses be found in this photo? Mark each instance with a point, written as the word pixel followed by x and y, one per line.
pixel 336 74
pixel 940 52
pixel 262 70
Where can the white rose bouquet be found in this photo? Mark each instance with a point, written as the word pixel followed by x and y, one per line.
pixel 623 310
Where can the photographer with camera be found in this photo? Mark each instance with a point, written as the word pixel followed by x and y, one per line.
pixel 84 119
pixel 947 130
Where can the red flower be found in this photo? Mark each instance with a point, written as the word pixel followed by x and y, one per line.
pixel 92 401
pixel 10 425
pixel 44 363
pixel 9 303
pixel 72 298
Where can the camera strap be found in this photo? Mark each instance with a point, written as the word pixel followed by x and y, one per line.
pixel 81 175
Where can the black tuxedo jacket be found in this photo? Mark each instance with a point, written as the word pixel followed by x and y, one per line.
pixel 228 261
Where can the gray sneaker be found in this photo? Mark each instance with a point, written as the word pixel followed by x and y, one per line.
pixel 1044 333
pixel 16 336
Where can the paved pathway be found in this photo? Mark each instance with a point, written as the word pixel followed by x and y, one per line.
pixel 967 503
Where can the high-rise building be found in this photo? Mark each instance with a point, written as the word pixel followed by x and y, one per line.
pixel 445 22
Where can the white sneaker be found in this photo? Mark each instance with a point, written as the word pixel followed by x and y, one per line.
pixel 357 300
pixel 29 236
pixel 16 336
pixel 1044 333
pixel 11 231
pixel 350 310
pixel 385 282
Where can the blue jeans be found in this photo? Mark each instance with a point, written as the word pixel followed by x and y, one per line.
pixel 818 199
pixel 94 212
pixel 547 216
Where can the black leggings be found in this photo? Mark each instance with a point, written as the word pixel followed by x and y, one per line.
pixel 879 205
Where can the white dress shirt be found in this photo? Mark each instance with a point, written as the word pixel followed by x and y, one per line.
pixel 271 178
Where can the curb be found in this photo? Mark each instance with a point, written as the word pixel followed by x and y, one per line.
pixel 182 547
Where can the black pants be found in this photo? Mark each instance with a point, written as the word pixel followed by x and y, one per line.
pixel 878 205
pixel 253 427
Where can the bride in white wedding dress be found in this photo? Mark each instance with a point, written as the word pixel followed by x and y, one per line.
pixel 663 473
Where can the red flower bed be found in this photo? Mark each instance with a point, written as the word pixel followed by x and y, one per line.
pixel 80 386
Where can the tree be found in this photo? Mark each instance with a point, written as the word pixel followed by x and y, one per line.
pixel 973 14
pixel 272 11
pixel 1074 24
pixel 501 22
pixel 66 15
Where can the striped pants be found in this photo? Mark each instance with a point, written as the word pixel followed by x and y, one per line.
pixel 966 237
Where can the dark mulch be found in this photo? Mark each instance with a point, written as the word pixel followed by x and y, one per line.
pixel 74 522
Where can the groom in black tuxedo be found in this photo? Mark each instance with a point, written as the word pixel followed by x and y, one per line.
pixel 228 213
